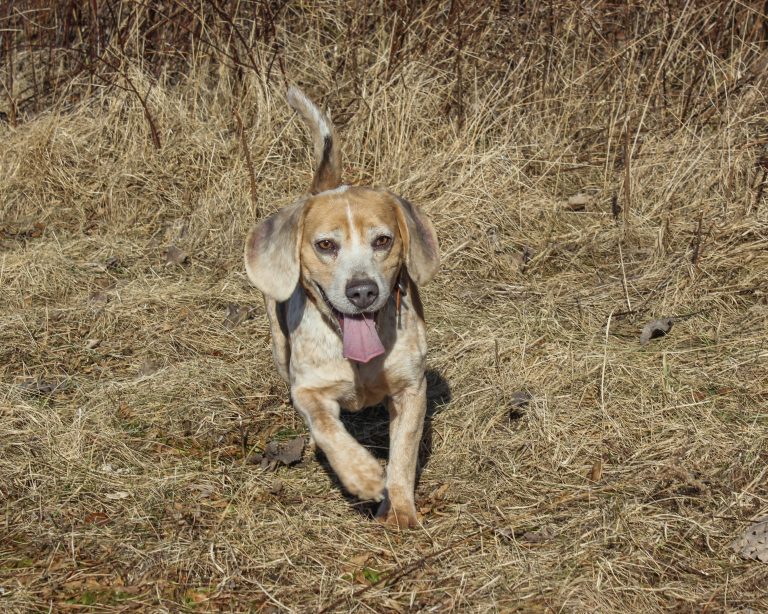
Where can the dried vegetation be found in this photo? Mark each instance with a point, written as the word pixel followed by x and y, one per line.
pixel 590 166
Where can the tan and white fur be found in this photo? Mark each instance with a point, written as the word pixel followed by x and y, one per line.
pixel 336 253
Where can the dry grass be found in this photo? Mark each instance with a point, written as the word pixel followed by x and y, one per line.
pixel 617 488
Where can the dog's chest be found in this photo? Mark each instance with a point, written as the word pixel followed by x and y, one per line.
pixel 361 385
pixel 316 357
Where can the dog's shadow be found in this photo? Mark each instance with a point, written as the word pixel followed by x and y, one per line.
pixel 371 428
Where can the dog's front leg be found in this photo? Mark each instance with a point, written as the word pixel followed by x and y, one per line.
pixel 358 470
pixel 406 423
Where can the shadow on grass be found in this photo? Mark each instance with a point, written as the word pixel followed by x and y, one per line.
pixel 371 428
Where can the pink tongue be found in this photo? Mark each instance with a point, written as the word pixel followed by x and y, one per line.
pixel 361 342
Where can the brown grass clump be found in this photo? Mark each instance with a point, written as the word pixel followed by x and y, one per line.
pixel 589 167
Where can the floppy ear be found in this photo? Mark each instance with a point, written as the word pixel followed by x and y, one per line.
pixel 422 255
pixel 272 252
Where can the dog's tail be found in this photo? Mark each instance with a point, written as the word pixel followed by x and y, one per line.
pixel 327 163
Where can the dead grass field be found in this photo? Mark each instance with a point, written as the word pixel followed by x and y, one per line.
pixel 130 411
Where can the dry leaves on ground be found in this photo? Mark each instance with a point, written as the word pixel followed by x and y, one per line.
pixel 754 543
pixel 655 329
pixel 280 453
pixel 174 255
pixel 236 315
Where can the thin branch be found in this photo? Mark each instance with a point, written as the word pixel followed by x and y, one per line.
pixel 248 161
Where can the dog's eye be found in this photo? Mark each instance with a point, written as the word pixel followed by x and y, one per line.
pixel 382 242
pixel 326 245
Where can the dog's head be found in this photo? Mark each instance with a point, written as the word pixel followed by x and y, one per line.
pixel 347 244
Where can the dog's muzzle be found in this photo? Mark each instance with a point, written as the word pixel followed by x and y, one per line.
pixel 362 293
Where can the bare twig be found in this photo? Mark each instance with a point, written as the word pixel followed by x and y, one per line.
pixel 248 162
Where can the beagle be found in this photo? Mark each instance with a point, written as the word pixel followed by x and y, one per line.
pixel 339 271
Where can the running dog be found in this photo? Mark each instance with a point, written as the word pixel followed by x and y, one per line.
pixel 339 270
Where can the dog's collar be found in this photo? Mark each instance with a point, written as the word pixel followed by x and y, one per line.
pixel 401 290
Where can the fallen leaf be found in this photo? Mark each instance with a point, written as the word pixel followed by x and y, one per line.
pixel 196 596
pixel 517 401
pixel 73 585
pixel 521 398
pixel 97 518
pixel 524 257
pixel 754 543
pixel 236 315
pixel 277 453
pixel 578 202
pixel 541 535
pixel 98 297
pixel 759 65
pixel 148 367
pixel 43 387
pixel 615 207
pixel 596 472
pixel 426 508
pixel 656 328
pixel 205 489
pixel 174 255
pixel 36 230
pixel 105 283
pixel 110 263
pixel 356 563
pixel 116 496
pixel 124 411
pixel 181 225
pixel 439 493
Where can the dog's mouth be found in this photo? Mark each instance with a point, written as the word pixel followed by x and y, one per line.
pixel 360 338
pixel 358 331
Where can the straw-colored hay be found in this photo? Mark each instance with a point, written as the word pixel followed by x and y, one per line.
pixel 618 487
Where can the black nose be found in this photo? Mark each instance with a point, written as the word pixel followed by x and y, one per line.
pixel 362 292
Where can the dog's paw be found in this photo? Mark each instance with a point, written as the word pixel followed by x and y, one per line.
pixel 364 478
pixel 397 515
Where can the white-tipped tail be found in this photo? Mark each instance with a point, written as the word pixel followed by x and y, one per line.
pixel 327 166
